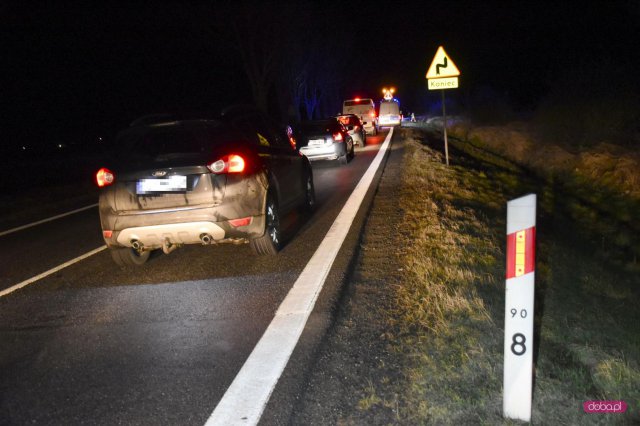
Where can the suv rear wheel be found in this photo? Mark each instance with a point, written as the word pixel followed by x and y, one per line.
pixel 126 256
pixel 269 242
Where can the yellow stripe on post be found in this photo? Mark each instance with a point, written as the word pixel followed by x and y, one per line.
pixel 520 252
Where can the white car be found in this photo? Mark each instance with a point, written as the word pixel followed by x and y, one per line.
pixel 325 139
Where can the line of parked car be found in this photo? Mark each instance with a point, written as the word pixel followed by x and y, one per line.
pixel 230 177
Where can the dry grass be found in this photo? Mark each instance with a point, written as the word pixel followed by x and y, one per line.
pixel 443 322
pixel 604 164
pixel 601 182
pixel 449 310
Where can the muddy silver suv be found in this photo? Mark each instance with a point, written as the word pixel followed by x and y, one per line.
pixel 201 181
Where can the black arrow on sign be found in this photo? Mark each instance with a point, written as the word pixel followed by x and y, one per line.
pixel 443 65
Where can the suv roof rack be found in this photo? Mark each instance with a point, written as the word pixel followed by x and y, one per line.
pixel 146 120
pixel 152 119
pixel 239 109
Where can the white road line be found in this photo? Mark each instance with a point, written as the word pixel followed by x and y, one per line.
pixel 50 271
pixel 245 400
pixel 29 225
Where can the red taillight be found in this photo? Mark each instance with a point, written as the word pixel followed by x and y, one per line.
pixel 240 222
pixel 337 136
pixel 104 177
pixel 107 234
pixel 228 164
pixel 236 164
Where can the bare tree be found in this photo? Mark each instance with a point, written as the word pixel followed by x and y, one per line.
pixel 258 32
pixel 294 82
pixel 287 50
pixel 326 52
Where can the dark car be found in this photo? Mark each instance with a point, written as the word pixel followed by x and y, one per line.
pixel 178 181
pixel 354 127
pixel 325 139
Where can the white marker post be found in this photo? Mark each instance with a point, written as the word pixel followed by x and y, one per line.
pixel 518 323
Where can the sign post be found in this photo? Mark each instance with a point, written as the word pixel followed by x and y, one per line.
pixel 444 127
pixel 518 322
pixel 443 74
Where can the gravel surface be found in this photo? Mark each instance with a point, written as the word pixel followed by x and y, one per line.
pixel 355 365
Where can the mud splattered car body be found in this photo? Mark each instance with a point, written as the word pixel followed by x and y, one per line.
pixel 200 181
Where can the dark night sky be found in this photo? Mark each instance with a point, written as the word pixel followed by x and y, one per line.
pixel 77 71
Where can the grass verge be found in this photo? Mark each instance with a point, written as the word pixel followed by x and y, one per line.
pixel 447 319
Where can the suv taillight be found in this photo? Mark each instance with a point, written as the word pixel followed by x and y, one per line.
pixel 232 163
pixel 104 177
pixel 337 136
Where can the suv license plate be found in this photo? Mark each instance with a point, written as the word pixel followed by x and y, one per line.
pixel 170 184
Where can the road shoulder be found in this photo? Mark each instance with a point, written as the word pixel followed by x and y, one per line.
pixel 354 360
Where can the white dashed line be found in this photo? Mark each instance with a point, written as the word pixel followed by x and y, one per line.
pixel 29 225
pixel 246 398
pixel 50 271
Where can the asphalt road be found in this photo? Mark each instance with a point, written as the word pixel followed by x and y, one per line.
pixel 97 344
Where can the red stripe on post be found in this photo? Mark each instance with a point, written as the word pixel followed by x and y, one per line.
pixel 530 253
pixel 521 259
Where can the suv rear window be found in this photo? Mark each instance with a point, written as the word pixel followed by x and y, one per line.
pixel 161 142
pixel 164 141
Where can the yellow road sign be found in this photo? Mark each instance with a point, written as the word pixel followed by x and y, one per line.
pixel 442 66
pixel 443 83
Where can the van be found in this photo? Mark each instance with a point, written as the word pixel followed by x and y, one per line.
pixel 365 109
pixel 389 113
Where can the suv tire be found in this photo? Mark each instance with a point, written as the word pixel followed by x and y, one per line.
pixel 270 242
pixel 126 256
